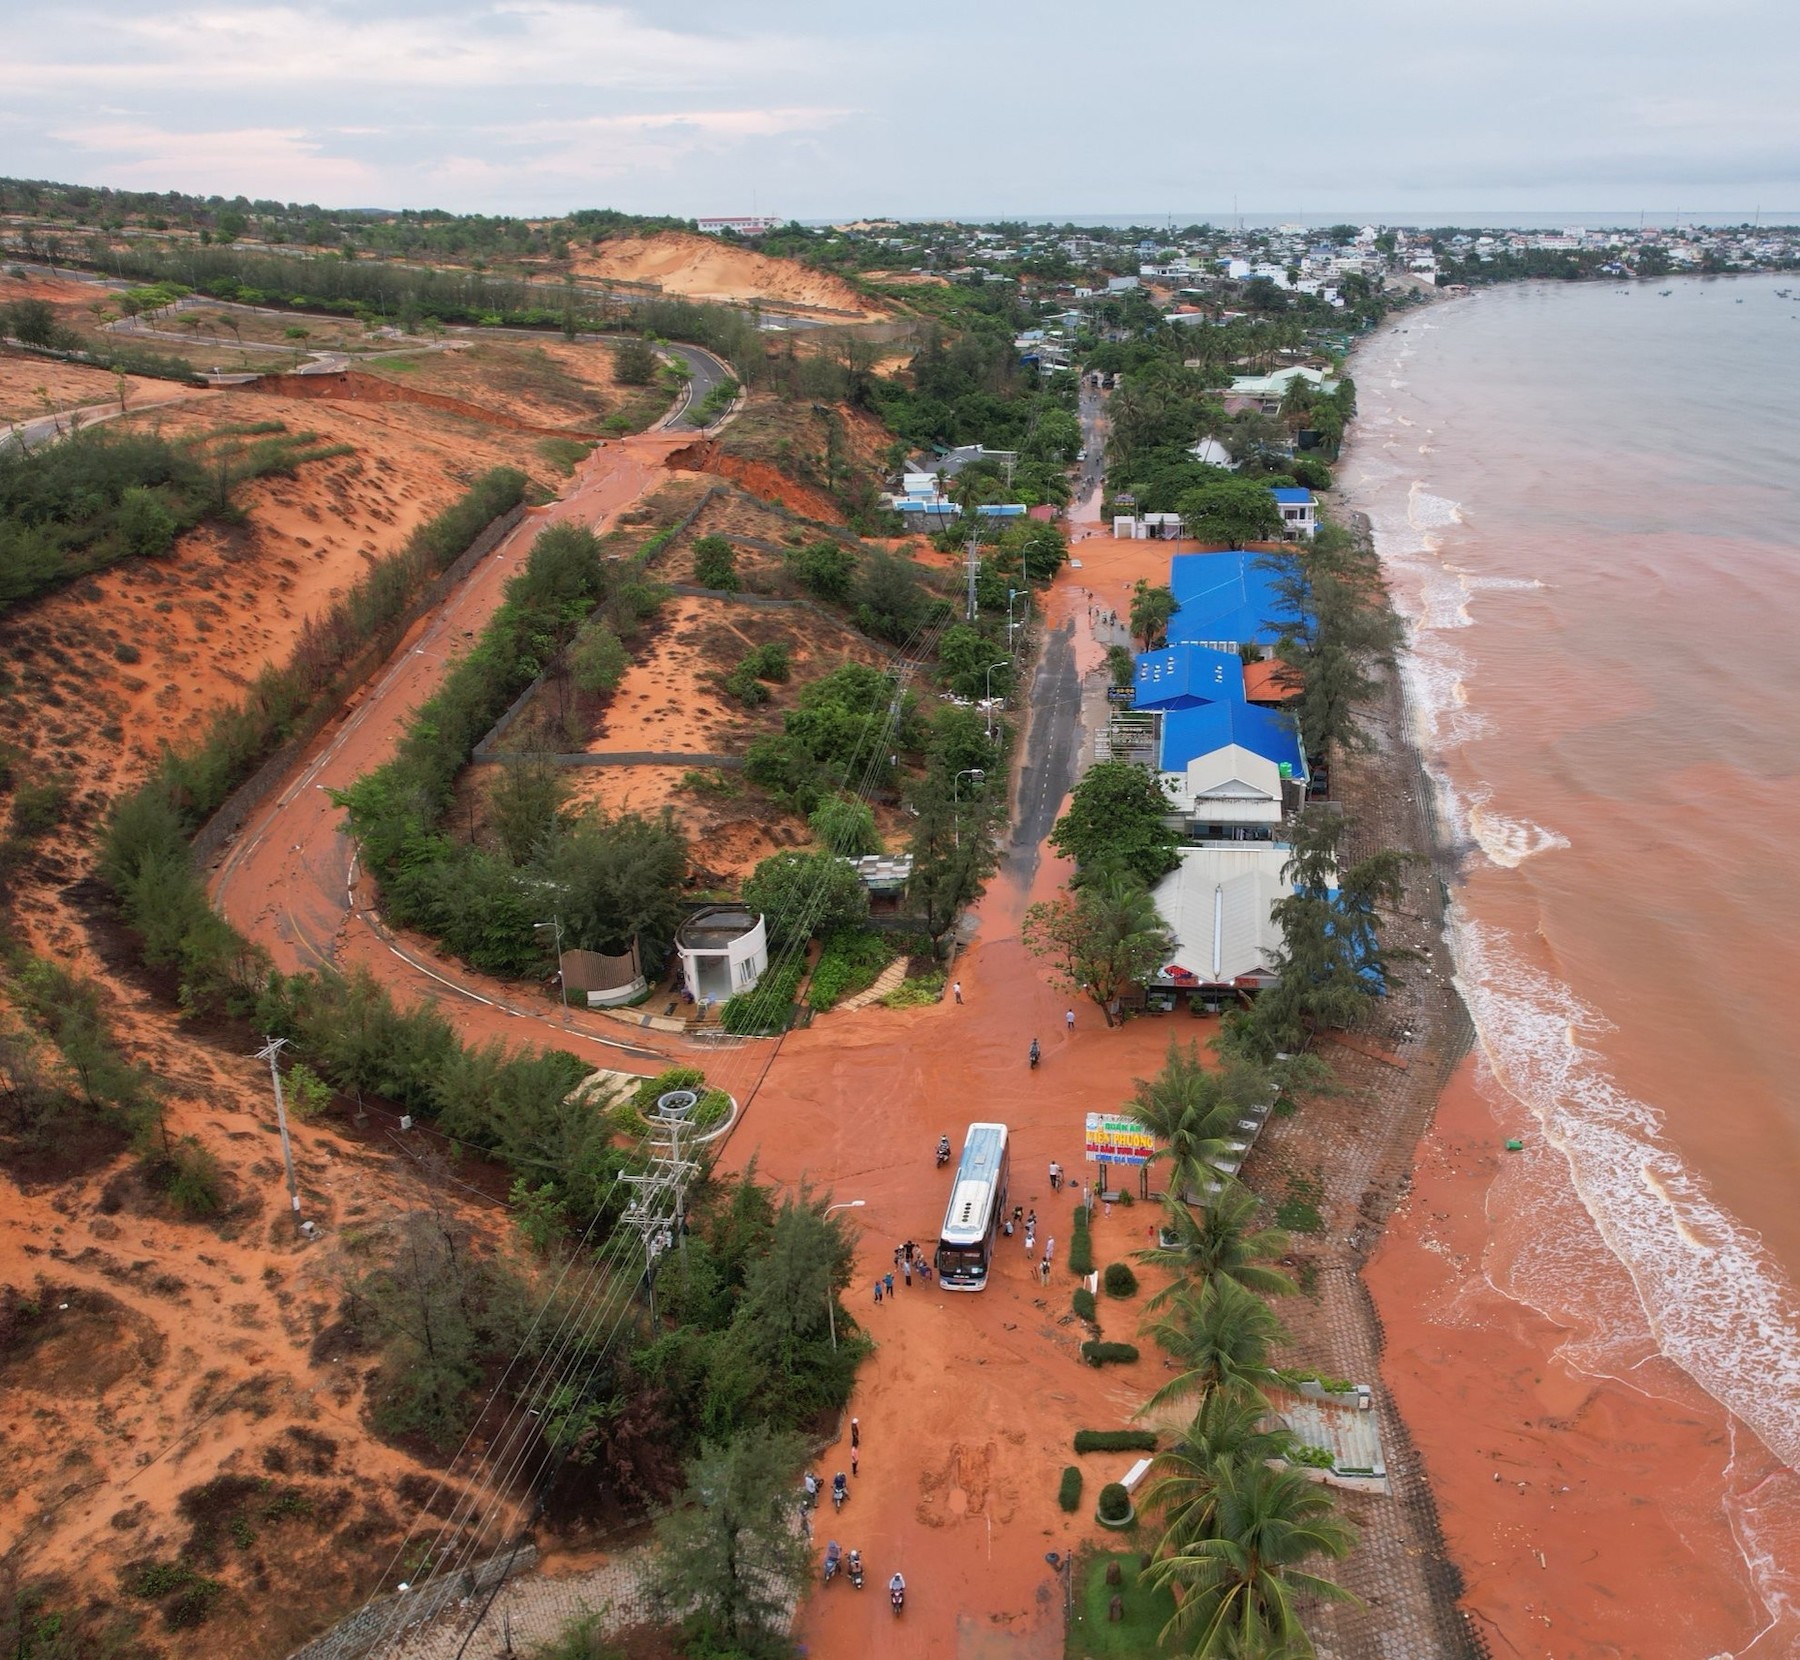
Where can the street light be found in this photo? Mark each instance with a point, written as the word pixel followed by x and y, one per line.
pixel 1004 661
pixel 830 1297
pixel 562 985
pixel 956 801
pixel 1011 595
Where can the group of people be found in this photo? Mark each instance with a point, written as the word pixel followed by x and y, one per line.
pixel 835 1557
pixel 908 1260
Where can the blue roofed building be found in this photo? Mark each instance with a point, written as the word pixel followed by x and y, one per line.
pixel 1299 512
pixel 1229 769
pixel 1226 600
pixel 1184 677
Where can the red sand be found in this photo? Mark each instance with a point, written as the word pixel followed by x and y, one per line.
pixel 1603 1534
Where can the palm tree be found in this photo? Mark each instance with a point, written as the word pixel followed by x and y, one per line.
pixel 1238 1586
pixel 1221 1334
pixel 1222 1242
pixel 1233 1425
pixel 1193 1111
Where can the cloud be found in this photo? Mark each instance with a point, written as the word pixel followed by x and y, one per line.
pixel 252 161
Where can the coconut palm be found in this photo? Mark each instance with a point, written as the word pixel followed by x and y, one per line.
pixel 1221 1241
pixel 1237 1587
pixel 1220 1334
pixel 1193 1112
pixel 1232 1425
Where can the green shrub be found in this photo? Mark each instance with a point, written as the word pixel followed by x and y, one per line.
pixel 1098 1353
pixel 715 564
pixel 645 1096
pixel 1081 1245
pixel 38 809
pixel 1083 1301
pixel 766 1009
pixel 597 658
pixel 1068 1492
pixel 1115 1502
pixel 1314 1458
pixel 770 661
pixel 191 1179
pixel 742 687
pixel 1119 1280
pixel 915 990
pixel 851 961
pixel 1115 1440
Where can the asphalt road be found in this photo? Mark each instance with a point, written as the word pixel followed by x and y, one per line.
pixel 1048 769
pixel 704 373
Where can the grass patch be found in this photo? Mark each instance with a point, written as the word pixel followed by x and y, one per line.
pixel 1091 1636
pixel 564 454
pixel 851 961
pixel 1298 1212
pixel 915 990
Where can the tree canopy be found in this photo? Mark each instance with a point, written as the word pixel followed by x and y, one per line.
pixel 1118 816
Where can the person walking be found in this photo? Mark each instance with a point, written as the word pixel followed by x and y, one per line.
pixel 855 1457
pixel 1030 1234
pixel 1069 1021
pixel 1044 1272
pixel 906 1269
pixel 878 1291
pixel 1049 1250
pixel 855 1434
pixel 1055 1177
pixel 890 1285
pixel 956 989
pixel 1031 1223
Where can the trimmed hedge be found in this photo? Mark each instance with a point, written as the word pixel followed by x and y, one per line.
pixel 1115 1440
pixel 1083 1301
pixel 1098 1353
pixel 766 1009
pixel 1119 1280
pixel 1115 1502
pixel 1068 1492
pixel 1081 1245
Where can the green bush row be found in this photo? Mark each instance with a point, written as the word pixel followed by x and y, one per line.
pixel 1081 1245
pixel 852 961
pixel 1068 1491
pixel 1097 1352
pixel 768 1007
pixel 1083 1302
pixel 1115 1440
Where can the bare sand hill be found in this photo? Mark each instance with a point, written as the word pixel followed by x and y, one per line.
pixel 704 268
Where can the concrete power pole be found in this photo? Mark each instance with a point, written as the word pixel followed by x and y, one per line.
pixel 658 1206
pixel 271 1052
pixel 974 565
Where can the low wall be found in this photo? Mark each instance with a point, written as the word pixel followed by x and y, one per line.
pixel 357 1636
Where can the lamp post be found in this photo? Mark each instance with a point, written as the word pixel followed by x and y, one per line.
pixel 1011 595
pixel 830 1296
pixel 562 985
pixel 956 801
pixel 990 694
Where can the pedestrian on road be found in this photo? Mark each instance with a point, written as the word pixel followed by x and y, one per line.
pixel 1049 1250
pixel 956 990
pixel 912 1250
pixel 1055 1177
pixel 890 1285
pixel 1044 1272
pixel 906 1269
pixel 1029 1241
pixel 855 1455
pixel 878 1291
pixel 1031 1222
pixel 855 1434
pixel 1069 1021
pixel 897 1250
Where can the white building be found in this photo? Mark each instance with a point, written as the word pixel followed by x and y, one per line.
pixel 746 225
pixel 1230 786
pixel 724 950
pixel 1219 903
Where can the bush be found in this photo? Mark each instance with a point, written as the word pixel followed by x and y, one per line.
pixel 1083 1302
pixel 767 1008
pixel 770 661
pixel 1115 1502
pixel 1098 1353
pixel 1081 1245
pixel 825 568
pixel 635 363
pixel 1120 1281
pixel 597 658
pixel 914 991
pixel 1115 1440
pixel 852 961
pixel 645 1096
pixel 1313 1458
pixel 1068 1492
pixel 190 1178
pixel 715 564
pixel 37 809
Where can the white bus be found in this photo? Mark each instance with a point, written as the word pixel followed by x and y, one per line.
pixel 977 1205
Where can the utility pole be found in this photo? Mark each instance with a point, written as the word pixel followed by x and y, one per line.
pixel 562 985
pixel 658 1206
pixel 973 553
pixel 271 1052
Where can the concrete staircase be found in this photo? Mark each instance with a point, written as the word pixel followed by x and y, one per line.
pixel 887 980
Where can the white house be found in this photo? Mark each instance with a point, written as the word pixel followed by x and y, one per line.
pixel 724 950
pixel 1231 787
pixel 1218 903
pixel 1299 512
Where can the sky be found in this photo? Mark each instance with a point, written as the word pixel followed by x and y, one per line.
pixel 820 109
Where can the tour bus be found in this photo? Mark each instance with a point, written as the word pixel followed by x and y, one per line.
pixel 977 1206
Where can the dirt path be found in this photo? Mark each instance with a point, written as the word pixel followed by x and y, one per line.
pixel 290 880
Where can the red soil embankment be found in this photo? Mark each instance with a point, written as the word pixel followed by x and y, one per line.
pixel 352 387
pixel 759 478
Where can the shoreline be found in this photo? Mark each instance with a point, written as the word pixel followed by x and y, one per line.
pixel 1584 1512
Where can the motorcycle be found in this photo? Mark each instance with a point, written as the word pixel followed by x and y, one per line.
pixel 943 1150
pixel 840 1490
pixel 832 1560
pixel 1034 1054
pixel 856 1569
pixel 897 1594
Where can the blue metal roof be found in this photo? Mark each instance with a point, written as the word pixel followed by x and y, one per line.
pixel 1190 733
pixel 1179 677
pixel 1292 497
pixel 1223 596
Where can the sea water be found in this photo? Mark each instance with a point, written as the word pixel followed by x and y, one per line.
pixel 1587 502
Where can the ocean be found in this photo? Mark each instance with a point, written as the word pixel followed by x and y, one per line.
pixel 1587 503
